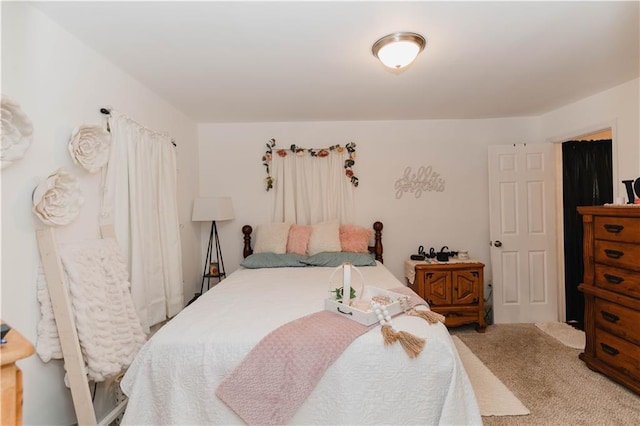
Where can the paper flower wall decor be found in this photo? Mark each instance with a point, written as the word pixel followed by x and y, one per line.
pixel 57 200
pixel 89 147
pixel 16 130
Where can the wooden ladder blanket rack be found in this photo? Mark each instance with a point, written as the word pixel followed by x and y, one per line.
pixel 69 342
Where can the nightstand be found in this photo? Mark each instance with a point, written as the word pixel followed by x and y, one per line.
pixel 454 289
pixel 16 348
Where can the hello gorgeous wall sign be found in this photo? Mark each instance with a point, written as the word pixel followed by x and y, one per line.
pixel 425 179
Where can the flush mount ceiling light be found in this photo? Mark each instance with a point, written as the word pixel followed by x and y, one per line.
pixel 398 50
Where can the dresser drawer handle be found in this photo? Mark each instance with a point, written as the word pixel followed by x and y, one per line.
pixel 609 349
pixel 614 254
pixel 608 316
pixel 614 229
pixel 613 279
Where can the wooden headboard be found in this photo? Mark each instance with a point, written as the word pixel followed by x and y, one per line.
pixel 375 249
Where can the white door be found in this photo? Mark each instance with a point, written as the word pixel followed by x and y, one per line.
pixel 523 232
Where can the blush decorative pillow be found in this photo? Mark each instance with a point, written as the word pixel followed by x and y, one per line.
pixel 272 238
pixel 355 239
pixel 298 239
pixel 325 236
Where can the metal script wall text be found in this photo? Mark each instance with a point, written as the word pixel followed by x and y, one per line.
pixel 424 180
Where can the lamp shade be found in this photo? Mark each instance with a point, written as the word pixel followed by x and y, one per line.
pixel 399 49
pixel 212 209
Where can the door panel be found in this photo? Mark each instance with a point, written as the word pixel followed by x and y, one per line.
pixel 522 219
pixel 509 276
pixel 538 285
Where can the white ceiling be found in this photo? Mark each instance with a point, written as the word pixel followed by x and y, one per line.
pixel 307 61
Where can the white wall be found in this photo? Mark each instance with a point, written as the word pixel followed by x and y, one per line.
pixel 457 149
pixel 60 84
pixel 230 164
pixel 619 108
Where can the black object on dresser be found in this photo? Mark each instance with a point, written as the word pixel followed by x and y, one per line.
pixel 611 287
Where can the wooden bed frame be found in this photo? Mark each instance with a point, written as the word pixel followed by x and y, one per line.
pixel 375 249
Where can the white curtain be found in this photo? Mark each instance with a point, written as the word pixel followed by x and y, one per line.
pixel 140 199
pixel 309 189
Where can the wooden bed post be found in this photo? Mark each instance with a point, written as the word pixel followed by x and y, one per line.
pixel 247 250
pixel 377 247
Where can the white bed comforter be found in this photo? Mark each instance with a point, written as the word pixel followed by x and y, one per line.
pixel 175 375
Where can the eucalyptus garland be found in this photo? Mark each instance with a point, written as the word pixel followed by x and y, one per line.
pixel 314 152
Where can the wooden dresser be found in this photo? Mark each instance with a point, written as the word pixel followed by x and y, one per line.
pixel 455 290
pixel 611 288
pixel 16 348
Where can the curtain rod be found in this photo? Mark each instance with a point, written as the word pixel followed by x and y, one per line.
pixel 107 111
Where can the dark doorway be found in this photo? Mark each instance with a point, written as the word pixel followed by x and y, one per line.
pixel 587 181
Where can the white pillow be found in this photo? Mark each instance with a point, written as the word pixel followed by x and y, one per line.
pixel 325 236
pixel 272 238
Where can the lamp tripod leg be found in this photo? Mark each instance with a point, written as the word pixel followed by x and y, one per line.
pixel 207 261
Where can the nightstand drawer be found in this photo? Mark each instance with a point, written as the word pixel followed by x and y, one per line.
pixel 619 320
pixel 617 229
pixel 621 281
pixel 624 255
pixel 618 353
pixel 457 316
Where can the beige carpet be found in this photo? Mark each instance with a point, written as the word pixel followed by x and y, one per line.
pixel 564 333
pixel 494 398
pixel 549 378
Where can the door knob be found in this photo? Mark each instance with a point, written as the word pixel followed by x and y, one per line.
pixel 498 243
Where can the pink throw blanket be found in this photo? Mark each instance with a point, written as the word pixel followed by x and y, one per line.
pixel 280 372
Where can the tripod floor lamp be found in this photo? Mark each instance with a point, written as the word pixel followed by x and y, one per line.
pixel 213 209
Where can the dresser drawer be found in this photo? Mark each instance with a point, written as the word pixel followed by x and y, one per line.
pixel 621 281
pixel 625 229
pixel 618 353
pixel 617 319
pixel 625 255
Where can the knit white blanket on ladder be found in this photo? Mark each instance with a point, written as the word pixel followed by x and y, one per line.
pixel 108 326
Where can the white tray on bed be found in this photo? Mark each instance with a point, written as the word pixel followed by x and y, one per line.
pixel 366 318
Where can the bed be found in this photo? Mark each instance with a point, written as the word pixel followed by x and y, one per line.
pixel 174 378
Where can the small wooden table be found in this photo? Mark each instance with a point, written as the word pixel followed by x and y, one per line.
pixel 454 289
pixel 16 348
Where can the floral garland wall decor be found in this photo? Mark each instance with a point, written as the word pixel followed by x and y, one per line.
pixel 57 200
pixel 313 152
pixel 425 179
pixel 16 130
pixel 89 147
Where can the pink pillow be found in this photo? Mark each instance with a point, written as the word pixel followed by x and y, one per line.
pixel 298 239
pixel 354 238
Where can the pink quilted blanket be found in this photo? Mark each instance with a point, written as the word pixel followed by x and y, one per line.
pixel 280 372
